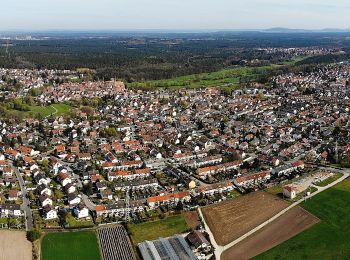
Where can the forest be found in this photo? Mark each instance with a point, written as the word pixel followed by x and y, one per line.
pixel 153 56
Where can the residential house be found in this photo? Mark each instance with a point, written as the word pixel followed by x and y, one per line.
pixel 49 212
pixel 81 211
pixel 10 210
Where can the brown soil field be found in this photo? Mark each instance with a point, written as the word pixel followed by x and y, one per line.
pixel 233 218
pixel 14 245
pixel 192 219
pixel 283 228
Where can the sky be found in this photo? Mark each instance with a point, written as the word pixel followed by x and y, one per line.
pixel 172 14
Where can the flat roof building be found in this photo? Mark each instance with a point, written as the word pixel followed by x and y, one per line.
pixel 172 248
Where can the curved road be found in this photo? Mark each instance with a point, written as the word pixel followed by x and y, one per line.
pixel 220 249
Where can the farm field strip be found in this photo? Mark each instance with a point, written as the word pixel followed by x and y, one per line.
pixel 233 218
pixel 283 228
pixel 14 245
pixel 115 244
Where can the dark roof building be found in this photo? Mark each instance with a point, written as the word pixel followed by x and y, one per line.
pixel 172 248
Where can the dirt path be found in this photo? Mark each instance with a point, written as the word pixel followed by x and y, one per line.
pixel 14 245
pixel 54 113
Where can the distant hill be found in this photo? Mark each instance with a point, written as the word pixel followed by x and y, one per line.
pixel 289 30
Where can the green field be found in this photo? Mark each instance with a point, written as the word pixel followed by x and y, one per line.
pixel 227 78
pixel 56 109
pixel 156 229
pixel 329 239
pixel 70 245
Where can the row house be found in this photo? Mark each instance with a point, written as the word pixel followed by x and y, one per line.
pixel 205 161
pixel 205 171
pixel 116 209
pixel 129 175
pixel 169 199
pixel 10 210
pixel 288 168
pixel 130 165
pixel 215 188
pixel 141 184
pixel 181 157
pixel 252 179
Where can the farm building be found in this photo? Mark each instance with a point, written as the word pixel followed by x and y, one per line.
pixel 174 247
pixel 293 189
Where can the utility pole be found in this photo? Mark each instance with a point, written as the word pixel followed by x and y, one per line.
pixel 127 206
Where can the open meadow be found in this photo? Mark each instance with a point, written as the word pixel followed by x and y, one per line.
pixel 330 238
pixel 233 218
pixel 80 245
pixel 226 78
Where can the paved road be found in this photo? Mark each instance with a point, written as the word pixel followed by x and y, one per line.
pixel 91 206
pixel 26 203
pixel 220 249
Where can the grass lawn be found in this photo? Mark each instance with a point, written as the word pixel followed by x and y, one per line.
pixel 330 180
pixel 234 194
pixel 155 229
pixel 329 239
pixel 275 190
pixel 47 110
pixel 70 245
pixel 73 223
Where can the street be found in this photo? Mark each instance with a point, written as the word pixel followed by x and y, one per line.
pixel 26 203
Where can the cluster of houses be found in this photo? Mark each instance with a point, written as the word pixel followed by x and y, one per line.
pixel 163 147
pixel 10 193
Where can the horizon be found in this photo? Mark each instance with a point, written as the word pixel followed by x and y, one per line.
pixel 176 30
pixel 173 15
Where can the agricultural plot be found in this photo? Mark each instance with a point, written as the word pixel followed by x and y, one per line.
pixel 288 225
pixel 153 230
pixel 233 218
pixel 115 244
pixel 70 245
pixel 14 245
pixel 330 238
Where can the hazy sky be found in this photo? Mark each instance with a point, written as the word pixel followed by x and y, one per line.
pixel 173 14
